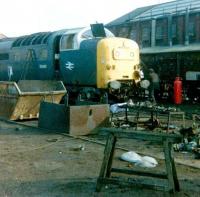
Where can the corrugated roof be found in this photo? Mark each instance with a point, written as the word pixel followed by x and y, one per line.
pixel 172 7
pixel 129 16
pixel 158 10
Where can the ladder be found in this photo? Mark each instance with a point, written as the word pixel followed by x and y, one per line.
pixel 30 60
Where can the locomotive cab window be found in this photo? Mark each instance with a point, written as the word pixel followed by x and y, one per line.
pixel 87 35
pixel 67 42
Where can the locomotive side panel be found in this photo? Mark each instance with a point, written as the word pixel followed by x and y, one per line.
pixel 28 57
pixel 5 70
pixel 78 67
pixel 34 62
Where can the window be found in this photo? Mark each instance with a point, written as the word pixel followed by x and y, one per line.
pixel 191 29
pixel 159 32
pixel 67 41
pixel 4 56
pixel 145 34
pixel 133 34
pixel 87 35
pixel 123 32
pixel 174 30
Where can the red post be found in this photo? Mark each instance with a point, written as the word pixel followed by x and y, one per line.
pixel 178 91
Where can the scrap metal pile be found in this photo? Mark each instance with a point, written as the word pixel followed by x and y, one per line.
pixel 155 118
pixel 191 139
pixel 129 114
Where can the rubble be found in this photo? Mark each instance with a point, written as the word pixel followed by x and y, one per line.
pixel 191 137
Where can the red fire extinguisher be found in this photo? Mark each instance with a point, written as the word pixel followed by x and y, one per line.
pixel 178 91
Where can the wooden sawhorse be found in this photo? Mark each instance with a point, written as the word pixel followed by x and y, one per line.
pixel 170 175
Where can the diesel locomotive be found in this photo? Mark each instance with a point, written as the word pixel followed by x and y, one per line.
pixel 87 60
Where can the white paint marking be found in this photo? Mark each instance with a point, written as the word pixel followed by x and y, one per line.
pixel 69 65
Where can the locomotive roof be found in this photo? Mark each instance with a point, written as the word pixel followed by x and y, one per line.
pixel 33 39
pixel 40 38
pixel 43 37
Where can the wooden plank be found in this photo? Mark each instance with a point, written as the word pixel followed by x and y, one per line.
pixel 131 134
pixel 168 164
pixel 107 154
pixel 110 160
pixel 175 177
pixel 141 173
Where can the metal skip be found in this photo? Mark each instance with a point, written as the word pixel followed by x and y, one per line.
pixel 22 100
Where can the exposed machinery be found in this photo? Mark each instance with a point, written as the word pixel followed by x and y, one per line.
pixel 182 62
pixel 87 60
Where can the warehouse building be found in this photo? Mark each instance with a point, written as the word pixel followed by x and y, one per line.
pixel 169 38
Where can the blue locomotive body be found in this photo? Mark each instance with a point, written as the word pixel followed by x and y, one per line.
pixel 41 56
pixel 29 58
pixel 75 56
pixel 82 62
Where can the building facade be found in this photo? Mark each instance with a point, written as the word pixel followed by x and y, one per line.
pixel 168 24
pixel 169 38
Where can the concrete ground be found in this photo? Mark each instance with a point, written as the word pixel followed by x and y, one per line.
pixel 38 163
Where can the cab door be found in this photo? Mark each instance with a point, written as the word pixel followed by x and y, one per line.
pixel 57 56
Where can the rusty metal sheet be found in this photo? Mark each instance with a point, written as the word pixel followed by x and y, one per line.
pixel 85 119
pixel 53 117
